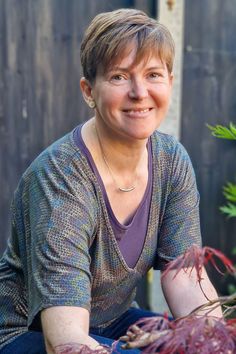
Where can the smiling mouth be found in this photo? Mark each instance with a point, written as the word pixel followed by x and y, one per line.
pixel 137 111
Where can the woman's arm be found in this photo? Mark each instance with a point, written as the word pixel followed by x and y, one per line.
pixel 64 327
pixel 183 292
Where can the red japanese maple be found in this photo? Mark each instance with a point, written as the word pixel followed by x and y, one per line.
pixel 191 334
pixel 196 257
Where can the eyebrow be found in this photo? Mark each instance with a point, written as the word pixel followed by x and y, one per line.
pixel 119 68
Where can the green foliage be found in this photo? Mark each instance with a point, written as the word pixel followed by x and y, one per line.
pixel 229 190
pixel 229 209
pixel 219 131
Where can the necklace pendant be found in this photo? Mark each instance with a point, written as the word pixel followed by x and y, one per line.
pixel 126 189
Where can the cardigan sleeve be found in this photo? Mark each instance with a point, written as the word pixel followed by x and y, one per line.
pixel 180 227
pixel 60 220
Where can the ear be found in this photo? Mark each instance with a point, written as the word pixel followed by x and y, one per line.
pixel 171 78
pixel 86 89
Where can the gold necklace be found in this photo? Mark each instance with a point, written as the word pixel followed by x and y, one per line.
pixel 129 189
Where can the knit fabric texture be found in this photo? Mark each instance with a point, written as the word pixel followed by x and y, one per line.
pixel 62 250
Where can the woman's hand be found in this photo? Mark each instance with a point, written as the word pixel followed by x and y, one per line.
pixel 137 338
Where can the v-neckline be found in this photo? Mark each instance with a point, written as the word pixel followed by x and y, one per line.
pixel 100 185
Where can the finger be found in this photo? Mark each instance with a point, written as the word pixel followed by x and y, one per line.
pixel 131 334
pixel 136 329
pixel 133 345
pixel 124 338
pixel 124 346
pixel 138 342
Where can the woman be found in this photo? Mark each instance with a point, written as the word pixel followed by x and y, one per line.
pixel 101 206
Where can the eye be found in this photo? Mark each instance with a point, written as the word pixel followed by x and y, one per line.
pixel 155 75
pixel 117 77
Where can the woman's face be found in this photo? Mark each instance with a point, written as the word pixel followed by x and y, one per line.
pixel 132 100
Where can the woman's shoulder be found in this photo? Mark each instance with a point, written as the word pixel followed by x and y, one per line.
pixel 164 142
pixel 169 148
pixel 62 161
pixel 61 152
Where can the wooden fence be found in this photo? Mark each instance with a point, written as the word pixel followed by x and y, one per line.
pixel 40 97
pixel 40 71
pixel 209 86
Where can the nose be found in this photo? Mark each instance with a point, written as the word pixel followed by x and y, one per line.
pixel 137 90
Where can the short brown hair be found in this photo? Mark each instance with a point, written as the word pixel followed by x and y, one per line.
pixel 110 33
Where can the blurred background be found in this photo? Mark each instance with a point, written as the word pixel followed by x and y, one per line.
pixel 40 98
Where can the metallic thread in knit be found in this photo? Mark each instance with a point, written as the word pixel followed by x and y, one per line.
pixel 62 250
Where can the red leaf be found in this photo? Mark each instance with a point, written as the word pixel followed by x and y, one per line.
pixel 196 257
pixel 193 335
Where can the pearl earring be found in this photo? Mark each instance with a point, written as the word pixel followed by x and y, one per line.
pixel 92 104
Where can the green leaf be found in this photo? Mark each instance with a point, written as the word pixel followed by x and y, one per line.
pixel 231 288
pixel 234 251
pixel 229 209
pixel 222 132
pixel 232 128
pixel 229 191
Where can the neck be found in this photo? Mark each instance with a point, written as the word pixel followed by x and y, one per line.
pixel 122 154
pixel 122 164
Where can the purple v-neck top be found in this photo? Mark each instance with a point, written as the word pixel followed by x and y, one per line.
pixel 131 236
